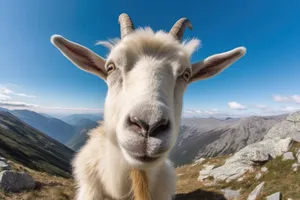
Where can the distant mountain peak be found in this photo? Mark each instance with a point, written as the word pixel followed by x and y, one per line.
pixel 55 128
pixel 4 109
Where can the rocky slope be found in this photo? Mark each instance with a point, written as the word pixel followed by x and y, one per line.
pixel 273 161
pixel 289 127
pixel 221 137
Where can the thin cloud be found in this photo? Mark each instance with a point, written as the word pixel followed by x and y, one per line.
pixel 236 106
pixel 37 108
pixel 24 95
pixel 291 99
pixel 74 108
pixel 201 112
pixel 261 107
pixel 4 97
pixel 6 91
pixel 289 109
pixel 16 104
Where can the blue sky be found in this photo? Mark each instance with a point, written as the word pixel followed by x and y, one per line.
pixel 34 75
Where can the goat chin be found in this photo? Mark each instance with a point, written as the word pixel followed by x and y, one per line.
pixel 140 186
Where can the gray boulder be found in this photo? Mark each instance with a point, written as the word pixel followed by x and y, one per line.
pixel 264 169
pixel 290 127
pixel 295 117
pixel 275 196
pixel 231 194
pixel 245 159
pixel 288 156
pixel 298 156
pixel 2 159
pixel 258 176
pixel 4 166
pixel 295 167
pixel 12 181
pixel 254 194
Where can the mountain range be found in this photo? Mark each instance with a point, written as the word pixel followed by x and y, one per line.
pixel 71 130
pixel 76 119
pixel 210 137
pixel 198 137
pixel 26 145
pixel 83 127
pixel 53 127
pixel 3 109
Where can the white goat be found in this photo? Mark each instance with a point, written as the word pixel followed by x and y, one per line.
pixel 146 73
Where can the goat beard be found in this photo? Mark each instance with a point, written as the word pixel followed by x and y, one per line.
pixel 140 185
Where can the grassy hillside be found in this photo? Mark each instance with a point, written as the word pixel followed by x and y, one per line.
pixel 48 187
pixel 23 144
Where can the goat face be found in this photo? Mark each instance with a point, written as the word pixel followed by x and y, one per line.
pixel 147 74
pixel 144 98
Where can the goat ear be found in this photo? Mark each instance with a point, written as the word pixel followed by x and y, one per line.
pixel 215 64
pixel 81 56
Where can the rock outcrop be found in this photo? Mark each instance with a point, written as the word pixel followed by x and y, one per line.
pixel 277 142
pixel 203 138
pixel 275 196
pixel 254 194
pixel 12 181
pixel 290 127
pixel 4 165
pixel 244 160
pixel 298 156
pixel 288 156
pixel 206 172
pixel 231 194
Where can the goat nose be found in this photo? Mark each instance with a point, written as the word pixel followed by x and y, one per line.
pixel 138 125
pixel 141 127
pixel 159 127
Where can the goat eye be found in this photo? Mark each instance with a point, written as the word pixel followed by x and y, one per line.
pixel 110 68
pixel 186 75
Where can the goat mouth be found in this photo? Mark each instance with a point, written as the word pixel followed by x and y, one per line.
pixel 144 158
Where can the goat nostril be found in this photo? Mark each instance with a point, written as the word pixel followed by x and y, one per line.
pixel 159 127
pixel 138 125
pixel 141 127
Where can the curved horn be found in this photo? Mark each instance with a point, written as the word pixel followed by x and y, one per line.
pixel 178 29
pixel 126 25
